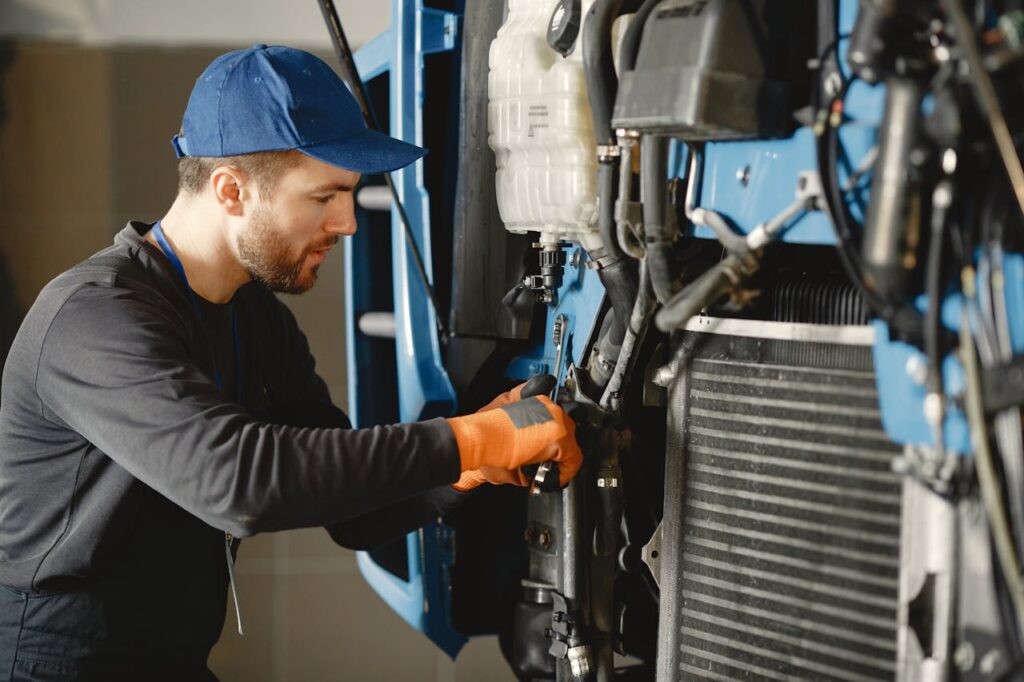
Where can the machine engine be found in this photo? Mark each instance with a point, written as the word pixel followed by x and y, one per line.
pixel 774 260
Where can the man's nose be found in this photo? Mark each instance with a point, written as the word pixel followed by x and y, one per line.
pixel 342 221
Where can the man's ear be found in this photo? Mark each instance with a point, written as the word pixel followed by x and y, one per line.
pixel 231 188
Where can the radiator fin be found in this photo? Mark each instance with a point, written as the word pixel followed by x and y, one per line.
pixel 789 562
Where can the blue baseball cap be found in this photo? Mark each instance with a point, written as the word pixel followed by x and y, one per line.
pixel 274 98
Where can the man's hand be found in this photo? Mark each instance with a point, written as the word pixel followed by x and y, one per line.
pixel 508 434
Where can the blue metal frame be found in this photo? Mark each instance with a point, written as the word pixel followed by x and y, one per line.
pixel 424 389
pixel 579 300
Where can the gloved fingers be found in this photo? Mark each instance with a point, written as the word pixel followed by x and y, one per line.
pixel 469 480
pixel 569 458
pixel 542 384
pixel 505 398
pixel 499 476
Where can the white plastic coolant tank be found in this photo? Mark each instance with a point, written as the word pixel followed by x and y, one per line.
pixel 540 130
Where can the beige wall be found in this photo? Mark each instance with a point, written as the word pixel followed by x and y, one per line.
pixel 85 147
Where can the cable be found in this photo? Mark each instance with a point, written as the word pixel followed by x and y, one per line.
pixel 987 479
pixel 351 75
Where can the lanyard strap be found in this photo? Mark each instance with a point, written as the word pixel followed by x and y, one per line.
pixel 176 263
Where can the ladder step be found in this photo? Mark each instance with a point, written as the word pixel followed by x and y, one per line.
pixel 375 198
pixel 377 325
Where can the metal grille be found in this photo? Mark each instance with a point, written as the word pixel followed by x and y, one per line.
pixel 788 543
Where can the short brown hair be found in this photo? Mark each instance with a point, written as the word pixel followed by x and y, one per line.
pixel 263 167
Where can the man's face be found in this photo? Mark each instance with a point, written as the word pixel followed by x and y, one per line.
pixel 289 232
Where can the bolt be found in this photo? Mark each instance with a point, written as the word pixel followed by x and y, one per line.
pixel 989 661
pixel 963 657
pixel 574 259
pixel 528 535
pixel 544 540
pixel 917 370
pixel 743 175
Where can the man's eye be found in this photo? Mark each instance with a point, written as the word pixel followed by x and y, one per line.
pixel 324 200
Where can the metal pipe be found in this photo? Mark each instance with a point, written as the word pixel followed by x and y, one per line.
pixel 886 230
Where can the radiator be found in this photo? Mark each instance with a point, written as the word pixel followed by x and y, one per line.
pixel 781 533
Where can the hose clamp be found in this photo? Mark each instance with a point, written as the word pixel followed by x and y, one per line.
pixel 608 152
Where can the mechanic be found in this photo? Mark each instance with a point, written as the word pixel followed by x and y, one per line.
pixel 159 402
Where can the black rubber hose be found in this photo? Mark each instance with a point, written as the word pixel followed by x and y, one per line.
pixel 630 46
pixel 653 187
pixel 598 66
pixel 606 182
pixel 703 291
pixel 620 281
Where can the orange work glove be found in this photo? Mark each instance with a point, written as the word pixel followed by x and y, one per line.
pixel 538 385
pixel 541 384
pixel 494 444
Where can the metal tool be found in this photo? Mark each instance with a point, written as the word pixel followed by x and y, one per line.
pixel 558 332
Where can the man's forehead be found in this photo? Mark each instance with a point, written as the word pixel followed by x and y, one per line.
pixel 321 176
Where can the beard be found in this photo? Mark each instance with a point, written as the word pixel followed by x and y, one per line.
pixel 264 251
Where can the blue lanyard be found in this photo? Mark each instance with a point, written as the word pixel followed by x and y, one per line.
pixel 177 265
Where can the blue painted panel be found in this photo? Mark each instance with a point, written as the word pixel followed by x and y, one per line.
pixel 901 398
pixel 374 58
pixel 1013 274
pixel 424 389
pixel 771 168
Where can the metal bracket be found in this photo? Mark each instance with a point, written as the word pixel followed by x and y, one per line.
pixel 652 555
pixel 439 31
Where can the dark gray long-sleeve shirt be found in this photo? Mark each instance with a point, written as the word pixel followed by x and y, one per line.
pixel 122 462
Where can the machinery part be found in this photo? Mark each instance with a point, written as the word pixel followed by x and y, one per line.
pixel 780 536
pixel 564 26
pixel 659 233
pixel 541 482
pixel 927 582
pixel 732 242
pixel 538 110
pixel 629 219
pixel 351 75
pixel 706 71
pixel 652 555
pixel 985 95
pixel 378 325
pixel 706 289
pixel 375 198
pixel 892 231
pixel 547 283
pixel 488 260
pixel 988 481
pixel 530 620
pixel 611 399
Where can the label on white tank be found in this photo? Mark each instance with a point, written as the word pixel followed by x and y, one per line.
pixel 537 116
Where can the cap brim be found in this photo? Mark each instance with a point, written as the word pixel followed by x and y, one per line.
pixel 366 152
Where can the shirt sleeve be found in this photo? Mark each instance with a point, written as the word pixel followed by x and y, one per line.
pixel 116 368
pixel 307 402
pixel 304 399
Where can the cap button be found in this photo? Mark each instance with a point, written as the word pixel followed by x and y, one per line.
pixel 259 46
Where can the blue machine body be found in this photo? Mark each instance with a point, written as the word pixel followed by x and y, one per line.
pixel 748 182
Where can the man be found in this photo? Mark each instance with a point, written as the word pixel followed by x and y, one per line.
pixel 159 402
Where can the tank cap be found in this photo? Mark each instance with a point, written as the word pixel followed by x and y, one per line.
pixel 564 27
